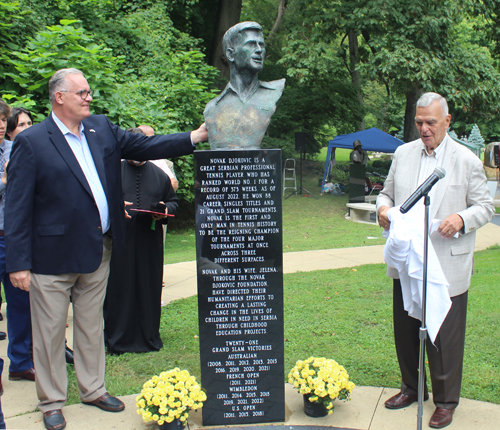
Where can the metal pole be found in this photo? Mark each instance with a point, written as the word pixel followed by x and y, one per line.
pixel 423 326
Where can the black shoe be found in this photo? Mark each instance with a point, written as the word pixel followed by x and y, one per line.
pixel 107 403
pixel 54 420
pixel 3 335
pixel 69 355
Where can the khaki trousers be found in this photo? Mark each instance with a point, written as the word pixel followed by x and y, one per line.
pixel 49 299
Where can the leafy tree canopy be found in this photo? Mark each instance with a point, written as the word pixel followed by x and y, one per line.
pixel 142 67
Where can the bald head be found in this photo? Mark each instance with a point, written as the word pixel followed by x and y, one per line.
pixel 147 129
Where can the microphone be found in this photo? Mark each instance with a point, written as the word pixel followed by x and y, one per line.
pixel 421 191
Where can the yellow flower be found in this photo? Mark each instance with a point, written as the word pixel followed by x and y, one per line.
pixel 322 377
pixel 170 395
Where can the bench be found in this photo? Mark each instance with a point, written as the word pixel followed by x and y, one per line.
pixel 360 212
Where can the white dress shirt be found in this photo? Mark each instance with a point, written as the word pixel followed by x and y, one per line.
pixel 80 148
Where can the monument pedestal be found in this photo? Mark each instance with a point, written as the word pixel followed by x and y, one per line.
pixel 239 251
pixel 357 182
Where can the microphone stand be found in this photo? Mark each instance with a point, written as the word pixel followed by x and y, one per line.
pixel 423 328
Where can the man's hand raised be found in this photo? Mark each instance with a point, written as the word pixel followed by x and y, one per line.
pixel 200 134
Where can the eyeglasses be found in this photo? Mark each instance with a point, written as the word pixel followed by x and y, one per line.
pixel 83 93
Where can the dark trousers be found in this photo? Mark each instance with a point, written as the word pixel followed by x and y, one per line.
pixel 2 422
pixel 445 357
pixel 18 320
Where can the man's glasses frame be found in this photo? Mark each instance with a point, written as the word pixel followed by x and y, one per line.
pixel 83 93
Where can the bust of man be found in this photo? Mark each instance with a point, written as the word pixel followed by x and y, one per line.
pixel 240 115
pixel 358 156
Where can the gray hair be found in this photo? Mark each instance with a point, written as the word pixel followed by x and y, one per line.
pixel 428 98
pixel 231 37
pixel 58 80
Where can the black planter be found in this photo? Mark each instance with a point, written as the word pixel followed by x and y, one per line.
pixel 174 425
pixel 314 410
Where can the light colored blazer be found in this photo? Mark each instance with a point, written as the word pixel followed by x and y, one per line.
pixel 463 191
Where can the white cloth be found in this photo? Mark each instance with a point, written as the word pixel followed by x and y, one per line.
pixel 404 251
pixel 163 165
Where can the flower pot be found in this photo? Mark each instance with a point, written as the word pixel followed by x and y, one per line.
pixel 174 425
pixel 314 410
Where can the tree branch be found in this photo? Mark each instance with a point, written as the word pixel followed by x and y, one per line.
pixel 281 11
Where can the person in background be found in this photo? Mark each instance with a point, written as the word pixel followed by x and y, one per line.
pixel 5 146
pixel 166 165
pixel 132 307
pixel 20 119
pixel 18 301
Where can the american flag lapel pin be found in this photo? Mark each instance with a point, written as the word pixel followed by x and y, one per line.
pixel 92 130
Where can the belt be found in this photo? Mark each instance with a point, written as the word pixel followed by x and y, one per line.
pixel 1 233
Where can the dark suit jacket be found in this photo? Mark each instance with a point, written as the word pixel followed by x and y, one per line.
pixel 52 223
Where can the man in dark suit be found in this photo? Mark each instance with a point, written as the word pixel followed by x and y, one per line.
pixel 64 211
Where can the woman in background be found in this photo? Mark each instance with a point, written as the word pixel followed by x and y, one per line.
pixel 20 119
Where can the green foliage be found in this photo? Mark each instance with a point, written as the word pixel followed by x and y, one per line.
pixel 142 68
pixel 8 14
pixel 15 100
pixel 489 10
pixel 387 111
pixel 309 108
pixel 58 47
pixel 318 94
pixel 416 45
pixel 475 136
pixel 340 173
pixel 380 166
pixel 170 84
pixel 430 45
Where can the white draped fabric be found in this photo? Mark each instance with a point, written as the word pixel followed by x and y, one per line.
pixel 404 251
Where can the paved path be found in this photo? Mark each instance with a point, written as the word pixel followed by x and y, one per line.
pixel 364 412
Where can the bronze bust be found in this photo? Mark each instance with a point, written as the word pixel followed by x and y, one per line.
pixel 240 115
pixel 357 155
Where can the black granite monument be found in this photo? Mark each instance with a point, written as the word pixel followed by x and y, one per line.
pixel 240 285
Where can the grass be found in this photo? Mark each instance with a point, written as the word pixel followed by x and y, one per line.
pixel 341 154
pixel 180 246
pixel 343 314
pixel 307 224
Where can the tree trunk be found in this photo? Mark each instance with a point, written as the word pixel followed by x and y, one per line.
pixel 355 74
pixel 281 11
pixel 228 14
pixel 410 129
